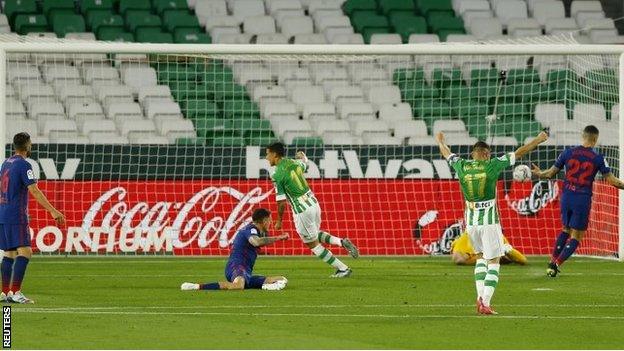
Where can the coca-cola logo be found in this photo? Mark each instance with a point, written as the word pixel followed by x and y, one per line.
pixel 542 193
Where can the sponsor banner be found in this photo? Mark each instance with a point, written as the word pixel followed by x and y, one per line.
pixel 391 217
pixel 163 162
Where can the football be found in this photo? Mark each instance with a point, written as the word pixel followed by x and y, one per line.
pixel 522 173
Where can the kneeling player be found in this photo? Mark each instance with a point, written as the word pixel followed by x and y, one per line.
pixel 243 257
pixel 462 252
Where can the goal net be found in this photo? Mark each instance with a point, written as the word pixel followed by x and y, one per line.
pixel 155 150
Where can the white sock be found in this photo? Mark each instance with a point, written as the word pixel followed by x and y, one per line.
pixel 327 256
pixel 480 272
pixel 491 281
pixel 327 238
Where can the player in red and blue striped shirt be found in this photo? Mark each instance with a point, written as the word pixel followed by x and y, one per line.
pixel 16 181
pixel 581 163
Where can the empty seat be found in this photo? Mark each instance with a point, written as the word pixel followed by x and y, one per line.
pixel 232 38
pixel 486 27
pixel 271 39
pixel 337 35
pixel 321 74
pixel 23 73
pixel 247 8
pixel 15 108
pixel 222 22
pixel 521 27
pixel 124 110
pixel 296 25
pixel 309 39
pixel 114 94
pixel 46 109
pixel 306 95
pixel 259 25
pixel 321 5
pixel 60 128
pixel 294 77
pixel 566 127
pixel 137 126
pixel 343 140
pixel 288 130
pixel 451 127
pixel 30 93
pixel 154 93
pixel 207 10
pixel 471 16
pixel 108 139
pixel 70 94
pixel 175 129
pixel 280 110
pixel 18 126
pixel 139 77
pixel 139 138
pixel 423 38
pixel 589 113
pixel 507 9
pixel 372 77
pixel 319 112
pixel 368 128
pixel 330 129
pixel 264 93
pixel 408 128
pixel 584 6
pixel 106 127
pixel 546 10
pixel 472 5
pixel 346 94
pixel 422 141
pixel 81 112
pixel 383 95
pixel 101 73
pixel 398 111
pixel 503 141
pixel 164 108
pixel 550 114
pixel 385 38
pixel 63 73
pixel 322 23
pixel 560 25
pixel 346 38
pixel 353 111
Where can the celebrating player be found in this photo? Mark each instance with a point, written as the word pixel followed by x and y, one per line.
pixel 243 257
pixel 16 181
pixel 462 252
pixel 478 178
pixel 581 165
pixel 290 185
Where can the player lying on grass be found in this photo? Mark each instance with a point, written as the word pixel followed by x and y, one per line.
pixel 291 186
pixel 16 181
pixel 478 177
pixel 462 252
pixel 239 268
pixel 581 163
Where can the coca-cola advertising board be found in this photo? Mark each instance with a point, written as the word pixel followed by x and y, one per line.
pixel 388 217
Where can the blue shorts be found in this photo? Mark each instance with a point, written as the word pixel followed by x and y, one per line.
pixel 13 236
pixel 575 211
pixel 251 281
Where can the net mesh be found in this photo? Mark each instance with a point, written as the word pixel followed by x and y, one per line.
pixel 155 153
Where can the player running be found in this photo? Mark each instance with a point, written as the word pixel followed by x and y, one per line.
pixel 462 252
pixel 243 256
pixel 16 181
pixel 478 178
pixel 290 185
pixel 581 165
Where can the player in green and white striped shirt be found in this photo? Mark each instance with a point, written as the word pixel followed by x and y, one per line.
pixel 291 186
pixel 478 177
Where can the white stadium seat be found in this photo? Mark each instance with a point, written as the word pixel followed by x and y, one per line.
pixel 106 127
pixel 386 39
pixel 319 112
pixel 346 94
pixel 288 130
pixel 69 94
pixel 550 114
pixel 81 112
pixel 273 93
pixel 136 78
pixel 545 10
pixel 100 73
pixel 589 113
pixel 175 129
pixel 296 25
pixel 207 10
pixel 486 27
pixel 408 129
pixel 372 139
pixel 259 25
pixel 398 111
pixel 471 16
pixel 451 127
pixel 353 111
pixel 368 128
pixel 280 110
pixel 271 39
pixel 137 126
pixel 60 128
pixel 242 9
pixel 383 95
pixel 108 139
pixel 46 109
pixel 508 9
pixel 114 94
pixel 346 38
pixel 309 39
pixel 169 109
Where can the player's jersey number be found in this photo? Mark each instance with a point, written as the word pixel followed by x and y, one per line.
pixel 4 186
pixel 578 171
pixel 475 182
pixel 296 175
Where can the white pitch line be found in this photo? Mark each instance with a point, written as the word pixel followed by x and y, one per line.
pixel 508 274
pixel 404 316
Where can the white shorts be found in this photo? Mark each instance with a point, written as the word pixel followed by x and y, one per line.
pixel 308 223
pixel 487 239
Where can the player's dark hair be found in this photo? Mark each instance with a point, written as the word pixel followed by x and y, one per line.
pixel 259 214
pixel 480 145
pixel 591 130
pixel 20 141
pixel 278 148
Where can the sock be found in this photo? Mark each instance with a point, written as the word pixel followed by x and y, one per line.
pixel 325 237
pixel 559 245
pixel 568 250
pixel 328 257
pixel 19 270
pixel 491 281
pixel 480 272
pixel 7 270
pixel 209 286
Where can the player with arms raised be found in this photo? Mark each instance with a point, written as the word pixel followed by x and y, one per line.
pixel 581 163
pixel 291 186
pixel 478 178
pixel 16 181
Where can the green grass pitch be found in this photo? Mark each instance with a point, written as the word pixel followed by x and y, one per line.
pixel 127 303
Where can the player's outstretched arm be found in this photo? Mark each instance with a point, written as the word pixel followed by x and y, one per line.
pixel 267 240
pixel 547 174
pixel 43 201
pixel 613 180
pixel 525 149
pixel 444 149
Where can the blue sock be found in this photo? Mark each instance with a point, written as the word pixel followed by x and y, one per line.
pixel 209 286
pixel 568 250
pixel 7 270
pixel 559 245
pixel 19 270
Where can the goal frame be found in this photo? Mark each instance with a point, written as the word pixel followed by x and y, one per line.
pixel 377 50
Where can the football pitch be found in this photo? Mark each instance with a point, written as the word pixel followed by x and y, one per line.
pixel 135 302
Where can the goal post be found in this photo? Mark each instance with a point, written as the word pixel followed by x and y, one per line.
pixel 365 115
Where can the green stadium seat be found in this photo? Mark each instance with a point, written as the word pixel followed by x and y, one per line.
pixel 173 20
pixel 485 75
pixel 163 6
pixel 418 90
pixel 225 91
pixel 466 107
pixel 506 110
pixel 87 6
pixel 602 77
pixel 522 75
pixel 12 8
pixel 177 72
pixel 439 22
pixel 428 7
pixel 182 36
pixel 188 90
pixel 427 108
pixel 125 5
pixel 210 128
pixel 58 7
pixel 152 35
pixel 136 20
pixel 364 20
pixel 25 24
pixel 443 77
pixel 485 92
pixel 530 93
pixel 406 24
pixel 478 128
pixel 228 141
pixel 190 142
pixel 218 75
pixel 67 23
pixel 260 141
pixel 307 142
pixel 241 109
pixel 555 77
pixel 396 6
pixel 444 33
pixel 351 7
pixel 368 33
pixel 408 75
pixel 114 34
pixel 253 128
pixel 522 129
pixel 99 20
pixel 201 109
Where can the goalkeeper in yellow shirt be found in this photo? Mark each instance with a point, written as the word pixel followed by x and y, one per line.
pixel 462 252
